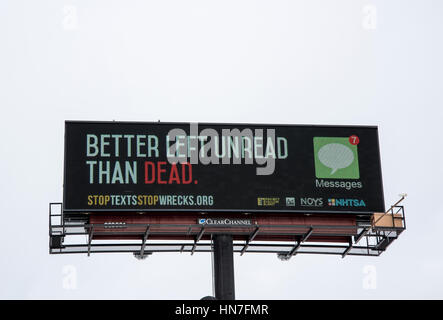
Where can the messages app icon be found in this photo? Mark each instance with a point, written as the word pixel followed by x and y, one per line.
pixel 335 158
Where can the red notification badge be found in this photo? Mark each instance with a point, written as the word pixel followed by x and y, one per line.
pixel 354 140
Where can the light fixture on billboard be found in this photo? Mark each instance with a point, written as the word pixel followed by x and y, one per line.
pixel 138 256
pixel 283 256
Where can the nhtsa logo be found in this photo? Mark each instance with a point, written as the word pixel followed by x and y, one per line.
pixel 228 222
pixel 333 202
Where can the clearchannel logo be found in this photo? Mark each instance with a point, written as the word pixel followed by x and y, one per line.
pixel 336 157
pixel 225 221
pixel 333 202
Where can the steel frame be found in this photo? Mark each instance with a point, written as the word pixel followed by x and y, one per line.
pixel 368 240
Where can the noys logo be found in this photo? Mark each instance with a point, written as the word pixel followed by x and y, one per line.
pixel 311 202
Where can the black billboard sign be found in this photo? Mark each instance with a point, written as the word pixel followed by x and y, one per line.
pixel 138 167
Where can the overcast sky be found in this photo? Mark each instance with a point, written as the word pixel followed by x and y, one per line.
pixel 281 61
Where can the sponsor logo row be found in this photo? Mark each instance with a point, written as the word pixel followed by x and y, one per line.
pixel 312 202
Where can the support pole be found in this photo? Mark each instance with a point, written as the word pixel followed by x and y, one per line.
pixel 223 272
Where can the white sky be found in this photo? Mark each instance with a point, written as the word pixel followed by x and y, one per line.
pixel 280 61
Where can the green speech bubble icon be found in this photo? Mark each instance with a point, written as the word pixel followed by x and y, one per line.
pixel 335 158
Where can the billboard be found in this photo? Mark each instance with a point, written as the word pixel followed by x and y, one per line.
pixel 208 167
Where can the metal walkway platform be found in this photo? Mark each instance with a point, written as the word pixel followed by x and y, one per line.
pixel 364 239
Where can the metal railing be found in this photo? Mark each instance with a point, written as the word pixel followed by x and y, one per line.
pixel 68 237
